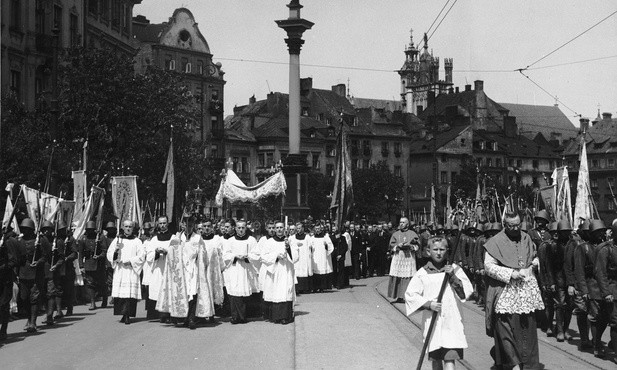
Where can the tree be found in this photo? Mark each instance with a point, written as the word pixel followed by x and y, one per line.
pixel 377 191
pixel 319 189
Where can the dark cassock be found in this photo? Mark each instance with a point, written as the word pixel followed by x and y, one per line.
pixel 339 242
pixel 8 262
pixel 92 251
pixel 512 298
pixel 67 272
pixel 127 256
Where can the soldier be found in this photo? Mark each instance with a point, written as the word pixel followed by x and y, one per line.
pixel 545 281
pixel 66 244
pixel 92 253
pixel 8 262
pixel 576 299
pixel 586 283
pixel 109 235
pixel 605 271
pixel 33 252
pixel 557 285
pixel 540 232
pixel 53 280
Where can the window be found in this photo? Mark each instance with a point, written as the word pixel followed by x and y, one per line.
pixel 188 68
pixel 58 19
pixel 495 146
pixel 489 162
pixel 453 176
pixel 595 163
pixel 398 171
pixel 444 177
pixel 499 178
pixel 246 165
pixel 184 63
pixel 115 14
pixel 463 142
pixel 480 162
pixel 38 86
pixel 39 17
pixel 519 163
pixel 320 117
pixel 354 164
pixel 73 30
pixel 354 147
pixel 611 182
pixel 16 83
pixel 171 65
pixel 16 15
pixel 316 164
pixel 593 183
pixel 510 162
pixel 214 95
pixel 498 162
pixel 126 18
pixel 330 169
pixel 482 145
pixel 93 7
pixel 385 148
pixel 270 159
pixel 200 67
pixel 104 9
pixel 444 158
pixel 398 149
pixel 366 163
pixel 611 162
pixel 305 111
pixel 551 164
pixel 366 147
pixel 330 151
pixel 199 94
pixel 536 164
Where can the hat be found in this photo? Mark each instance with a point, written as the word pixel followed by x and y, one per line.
pixel 90 225
pixel 27 222
pixel 47 225
pixel 552 226
pixel 110 225
pixel 564 225
pixel 61 225
pixel 597 225
pixel 542 215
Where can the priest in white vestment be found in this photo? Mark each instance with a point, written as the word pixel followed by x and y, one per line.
pixel 279 290
pixel 240 275
pixel 304 265
pixel 156 252
pixel 322 247
pixel 214 268
pixel 127 255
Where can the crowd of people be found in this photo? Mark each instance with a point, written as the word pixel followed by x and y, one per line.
pixel 524 278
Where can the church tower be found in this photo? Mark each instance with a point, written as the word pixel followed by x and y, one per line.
pixel 420 77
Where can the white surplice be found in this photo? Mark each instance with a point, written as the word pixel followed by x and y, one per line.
pixel 126 282
pixel 424 287
pixel 214 270
pixel 322 249
pixel 304 265
pixel 156 266
pixel 195 261
pixel 240 276
pixel 279 281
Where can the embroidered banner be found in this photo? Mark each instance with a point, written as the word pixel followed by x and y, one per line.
pixel 79 192
pixel 93 205
pixel 38 202
pixel 125 199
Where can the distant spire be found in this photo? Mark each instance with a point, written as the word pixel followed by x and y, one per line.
pixel 425 41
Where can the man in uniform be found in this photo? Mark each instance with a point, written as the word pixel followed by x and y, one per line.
pixel 33 253
pixel 92 253
pixel 540 233
pixel 8 262
pixel 357 249
pixel 66 244
pixel 110 234
pixel 545 280
pixel 586 283
pixel 53 279
pixel 605 271
pixel 557 276
pixel 578 303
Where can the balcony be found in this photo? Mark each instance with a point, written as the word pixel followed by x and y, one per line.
pixel 216 106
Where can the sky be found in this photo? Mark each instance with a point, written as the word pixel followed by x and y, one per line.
pixel 361 43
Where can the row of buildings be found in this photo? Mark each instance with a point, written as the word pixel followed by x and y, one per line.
pixel 424 137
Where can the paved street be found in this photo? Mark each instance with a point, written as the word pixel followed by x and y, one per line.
pixel 353 328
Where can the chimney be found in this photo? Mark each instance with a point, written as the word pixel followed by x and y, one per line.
pixel 252 100
pixel 606 116
pixel 478 85
pixel 306 84
pixel 451 90
pixel 467 87
pixel 584 126
pixel 509 126
pixel 456 90
pixel 339 89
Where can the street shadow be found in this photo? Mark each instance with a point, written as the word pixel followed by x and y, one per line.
pixel 206 324
pixel 18 337
pixel 69 319
pixel 300 313
pixel 81 314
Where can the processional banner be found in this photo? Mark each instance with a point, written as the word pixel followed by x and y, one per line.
pixel 125 200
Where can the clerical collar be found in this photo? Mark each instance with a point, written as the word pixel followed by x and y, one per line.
pixel 130 237
pixel 300 236
pixel 320 235
pixel 243 237
pixel 278 238
pixel 208 237
pixel 164 236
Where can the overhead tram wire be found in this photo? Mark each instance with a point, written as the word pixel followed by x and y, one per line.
pixel 549 94
pixel 437 17
pixel 442 19
pixel 569 41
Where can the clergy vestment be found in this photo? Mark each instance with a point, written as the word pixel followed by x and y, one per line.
pixel 154 268
pixel 303 267
pixel 279 290
pixel 173 293
pixel 403 245
pixel 240 275
pixel 127 257
pixel 424 287
pixel 195 260
pixel 321 262
pixel 214 269
pixel 511 303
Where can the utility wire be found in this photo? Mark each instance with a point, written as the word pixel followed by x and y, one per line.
pixel 549 94
pixel 437 17
pixel 442 19
pixel 569 63
pixel 569 41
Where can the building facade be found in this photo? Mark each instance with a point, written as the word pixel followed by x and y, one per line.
pixel 108 24
pixel 179 46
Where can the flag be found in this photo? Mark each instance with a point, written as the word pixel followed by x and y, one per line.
pixel 582 209
pixel 478 206
pixel 433 207
pixel 40 205
pixel 170 178
pixel 79 193
pixel 8 211
pixel 342 195
pixel 448 215
pixel 96 197
pixel 563 202
pixel 125 199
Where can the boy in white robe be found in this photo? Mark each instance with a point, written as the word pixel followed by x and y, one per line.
pixel 127 255
pixel 448 337
pixel 322 248
pixel 304 265
pixel 215 265
pixel 156 252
